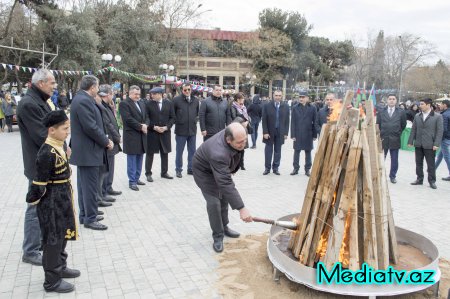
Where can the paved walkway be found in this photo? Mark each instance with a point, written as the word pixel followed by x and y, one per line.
pixel 159 242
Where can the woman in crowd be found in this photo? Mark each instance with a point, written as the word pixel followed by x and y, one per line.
pixel 8 107
pixel 2 115
pixel 412 111
pixel 238 109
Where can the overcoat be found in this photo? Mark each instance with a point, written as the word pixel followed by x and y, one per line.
pixel 269 119
pixel 304 126
pixel 134 140
pixel 157 142
pixel 391 128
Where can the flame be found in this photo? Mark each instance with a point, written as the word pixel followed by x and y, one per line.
pixel 336 108
pixel 344 253
pixel 323 242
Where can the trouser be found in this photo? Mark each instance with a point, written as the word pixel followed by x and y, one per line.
pixel 149 163
pixel 32 231
pixel 444 154
pixel 191 147
pixel 9 122
pixel 2 124
pixel 134 168
pixel 255 126
pixel 429 158
pixel 54 261
pixel 273 147
pixel 102 174
pixel 87 184
pixel 308 162
pixel 218 215
pixel 108 181
pixel 394 161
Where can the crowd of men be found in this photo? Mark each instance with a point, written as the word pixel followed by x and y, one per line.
pixel 147 128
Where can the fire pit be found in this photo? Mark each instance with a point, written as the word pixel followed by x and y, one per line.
pixel 284 262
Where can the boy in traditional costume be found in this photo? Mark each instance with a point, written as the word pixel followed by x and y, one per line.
pixel 51 191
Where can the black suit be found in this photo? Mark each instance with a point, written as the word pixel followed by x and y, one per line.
pixel 277 131
pixel 88 142
pixel 159 142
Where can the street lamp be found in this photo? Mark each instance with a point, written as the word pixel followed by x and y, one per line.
pixel 166 69
pixel 108 58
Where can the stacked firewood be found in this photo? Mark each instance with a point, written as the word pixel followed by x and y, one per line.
pixel 346 214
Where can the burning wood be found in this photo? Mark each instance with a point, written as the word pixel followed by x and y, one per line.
pixel 346 215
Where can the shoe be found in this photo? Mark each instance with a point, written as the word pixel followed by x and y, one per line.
pixel 149 179
pixel 446 179
pixel 141 183
pixel 253 147
pixel 294 172
pixel 35 260
pixel 70 273
pixel 433 186
pixel 166 176
pixel 218 246
pixel 99 218
pixel 114 192
pixel 179 175
pixel 95 226
pixel 104 204
pixel 275 171
pixel 63 287
pixel 417 182
pixel 109 199
pixel 100 212
pixel 134 188
pixel 190 172
pixel 266 172
pixel 242 168
pixel 393 181
pixel 230 233
pixel 307 173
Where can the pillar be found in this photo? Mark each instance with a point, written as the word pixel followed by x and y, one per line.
pixel 252 90
pixel 270 89
pixel 284 89
pixel 221 80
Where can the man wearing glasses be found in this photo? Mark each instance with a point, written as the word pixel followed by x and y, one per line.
pixel 186 108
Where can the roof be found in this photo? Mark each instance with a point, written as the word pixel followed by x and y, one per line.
pixel 216 34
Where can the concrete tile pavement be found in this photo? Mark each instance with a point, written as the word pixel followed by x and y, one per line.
pixel 158 244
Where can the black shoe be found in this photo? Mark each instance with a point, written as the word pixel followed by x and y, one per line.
pixel 230 233
pixel 141 183
pixel 99 218
pixel 294 172
pixel 266 172
pixel 100 212
pixel 190 172
pixel 114 192
pixel 109 199
pixel 63 287
pixel 166 176
pixel 417 182
pixel 275 171
pixel 70 273
pixel 307 173
pixel 149 179
pixel 218 246
pixel 446 179
pixel 95 226
pixel 104 204
pixel 178 174
pixel 134 188
pixel 393 181
pixel 242 168
pixel 433 185
pixel 35 260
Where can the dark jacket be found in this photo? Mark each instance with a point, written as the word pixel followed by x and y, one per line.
pixel 213 115
pixel 255 110
pixel 88 139
pixel 213 163
pixel 322 116
pixel 269 119
pixel 63 102
pixel 410 114
pixel 186 115
pixel 134 140
pixel 112 129
pixel 446 120
pixel 31 111
pixel 427 133
pixel 304 126
pixel 157 142
pixel 391 128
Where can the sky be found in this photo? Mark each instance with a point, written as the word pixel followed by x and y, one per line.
pixel 346 19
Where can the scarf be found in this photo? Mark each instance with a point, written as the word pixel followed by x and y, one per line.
pixel 241 110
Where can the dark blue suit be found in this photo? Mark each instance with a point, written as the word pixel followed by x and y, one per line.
pixel 88 143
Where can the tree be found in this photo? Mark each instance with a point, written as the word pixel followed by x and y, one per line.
pixel 376 68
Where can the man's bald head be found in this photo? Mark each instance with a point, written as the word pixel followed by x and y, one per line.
pixel 236 136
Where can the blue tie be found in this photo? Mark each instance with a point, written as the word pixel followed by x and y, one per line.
pixel 277 119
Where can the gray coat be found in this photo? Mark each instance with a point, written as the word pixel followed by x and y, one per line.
pixel 213 115
pixel 213 163
pixel 427 133
pixel 8 108
pixel 391 128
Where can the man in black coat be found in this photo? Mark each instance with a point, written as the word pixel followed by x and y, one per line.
pixel 214 163
pixel 392 122
pixel 213 114
pixel 186 108
pixel 134 116
pixel 255 113
pixel 325 111
pixel 160 117
pixel 88 141
pixel 304 130
pixel 31 110
pixel 275 123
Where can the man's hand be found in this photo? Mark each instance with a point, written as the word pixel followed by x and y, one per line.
pixel 204 133
pixel 163 129
pixel 144 128
pixel 68 152
pixel 245 215
pixel 410 145
pixel 266 136
pixel 110 145
pixel 435 148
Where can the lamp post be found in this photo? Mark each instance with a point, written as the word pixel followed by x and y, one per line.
pixel 401 71
pixel 107 59
pixel 166 69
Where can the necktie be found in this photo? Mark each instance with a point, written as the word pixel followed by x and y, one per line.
pixel 277 119
pixel 137 105
pixel 391 111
